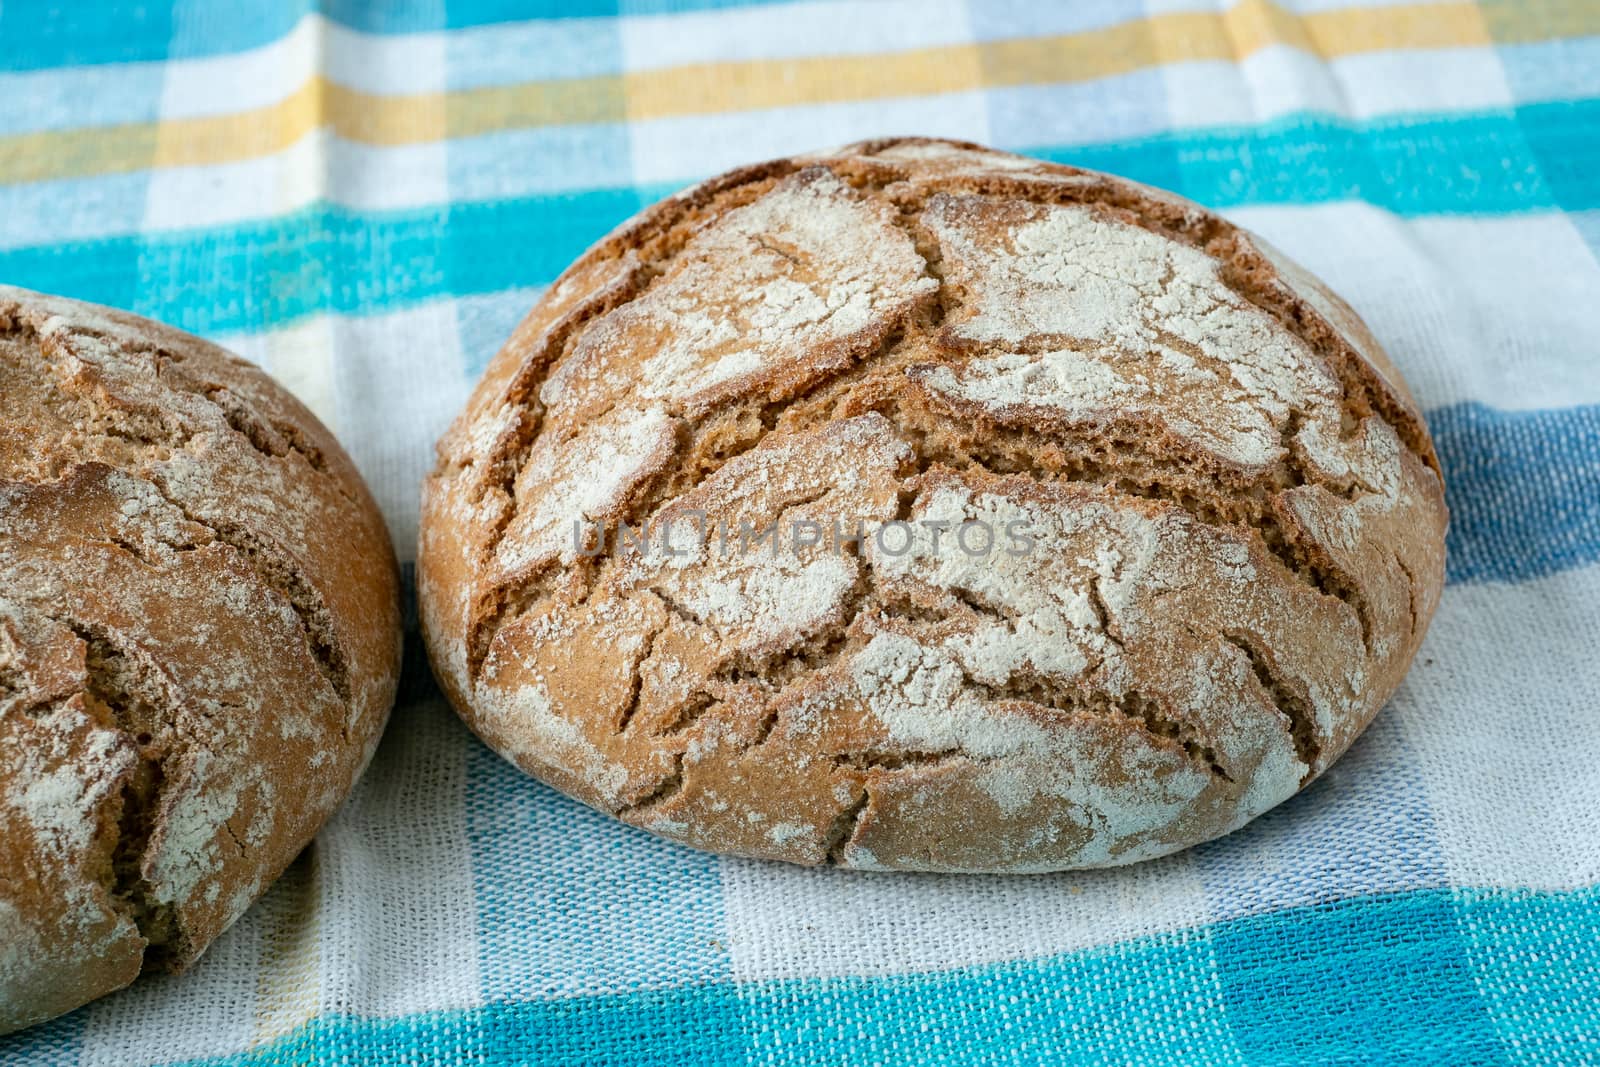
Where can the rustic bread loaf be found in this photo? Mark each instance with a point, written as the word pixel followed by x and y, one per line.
pixel 199 644
pixel 1216 520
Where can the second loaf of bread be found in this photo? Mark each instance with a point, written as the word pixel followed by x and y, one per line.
pixel 199 644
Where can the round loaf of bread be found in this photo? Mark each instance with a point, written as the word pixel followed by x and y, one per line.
pixel 199 644
pixel 920 506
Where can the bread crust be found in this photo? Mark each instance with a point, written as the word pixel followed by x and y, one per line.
pixel 1241 509
pixel 199 644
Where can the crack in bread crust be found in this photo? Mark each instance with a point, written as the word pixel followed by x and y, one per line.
pixel 1292 705
pixel 142 717
pixel 1276 512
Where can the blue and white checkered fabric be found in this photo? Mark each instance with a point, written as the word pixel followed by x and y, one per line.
pixel 365 196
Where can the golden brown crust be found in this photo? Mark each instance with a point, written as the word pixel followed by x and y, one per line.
pixel 1239 511
pixel 199 643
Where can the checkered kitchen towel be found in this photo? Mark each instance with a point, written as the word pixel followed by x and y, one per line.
pixel 364 196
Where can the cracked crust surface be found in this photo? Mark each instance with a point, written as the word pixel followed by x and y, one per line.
pixel 199 642
pixel 1236 512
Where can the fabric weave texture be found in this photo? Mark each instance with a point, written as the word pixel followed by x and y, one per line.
pixel 364 197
